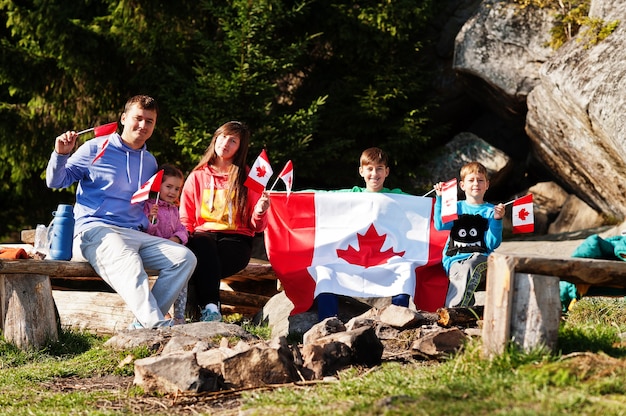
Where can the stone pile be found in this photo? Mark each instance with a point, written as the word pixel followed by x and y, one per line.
pixel 212 356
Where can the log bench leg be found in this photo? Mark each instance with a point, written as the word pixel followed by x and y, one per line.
pixel 519 307
pixel 27 310
pixel 536 312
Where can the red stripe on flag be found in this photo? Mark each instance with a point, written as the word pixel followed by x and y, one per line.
pixel 528 228
pixel 432 282
pixel 101 152
pixel 291 224
pixel 105 129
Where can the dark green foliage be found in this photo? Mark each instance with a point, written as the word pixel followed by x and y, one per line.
pixel 317 82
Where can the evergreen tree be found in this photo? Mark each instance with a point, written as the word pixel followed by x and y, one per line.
pixel 317 81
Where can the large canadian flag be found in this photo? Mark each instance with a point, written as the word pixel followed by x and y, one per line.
pixel 356 244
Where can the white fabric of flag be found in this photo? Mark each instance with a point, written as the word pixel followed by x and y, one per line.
pixel 449 201
pixel 369 244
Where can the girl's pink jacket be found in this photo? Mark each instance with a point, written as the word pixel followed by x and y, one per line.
pixel 206 205
pixel 168 221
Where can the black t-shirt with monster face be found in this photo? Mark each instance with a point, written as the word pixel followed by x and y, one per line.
pixel 468 235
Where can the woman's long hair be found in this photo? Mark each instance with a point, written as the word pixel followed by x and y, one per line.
pixel 237 173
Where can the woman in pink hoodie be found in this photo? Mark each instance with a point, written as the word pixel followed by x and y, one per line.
pixel 221 214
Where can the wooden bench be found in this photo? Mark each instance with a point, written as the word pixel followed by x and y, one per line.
pixel 36 296
pixel 522 302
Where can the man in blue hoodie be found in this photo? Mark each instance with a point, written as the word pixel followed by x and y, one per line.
pixel 109 229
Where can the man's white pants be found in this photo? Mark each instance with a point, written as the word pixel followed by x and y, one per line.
pixel 121 255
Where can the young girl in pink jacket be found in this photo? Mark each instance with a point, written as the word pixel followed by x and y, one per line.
pixel 164 221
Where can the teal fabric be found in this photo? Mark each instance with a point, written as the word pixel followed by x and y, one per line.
pixel 595 247
pixel 567 293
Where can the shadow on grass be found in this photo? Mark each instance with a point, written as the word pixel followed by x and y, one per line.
pixel 591 339
pixel 69 344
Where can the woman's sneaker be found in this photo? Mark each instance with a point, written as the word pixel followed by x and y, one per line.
pixel 207 315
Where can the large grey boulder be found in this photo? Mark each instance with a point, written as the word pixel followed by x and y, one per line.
pixel 574 118
pixel 499 52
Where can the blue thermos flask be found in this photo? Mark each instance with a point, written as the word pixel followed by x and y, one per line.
pixel 62 233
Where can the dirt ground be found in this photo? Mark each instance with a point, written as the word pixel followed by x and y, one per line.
pixel 213 403
pixel 227 403
pixel 222 403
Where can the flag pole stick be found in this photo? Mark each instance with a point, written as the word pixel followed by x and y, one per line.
pixel 85 131
pixel 156 202
pixel 429 192
pixel 510 202
pixel 275 182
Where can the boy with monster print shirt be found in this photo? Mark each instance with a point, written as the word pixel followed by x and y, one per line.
pixel 473 235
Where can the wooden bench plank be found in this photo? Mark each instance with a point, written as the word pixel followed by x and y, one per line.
pixel 256 269
pixel 595 272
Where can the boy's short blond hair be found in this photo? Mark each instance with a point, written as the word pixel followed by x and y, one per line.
pixel 374 156
pixel 474 167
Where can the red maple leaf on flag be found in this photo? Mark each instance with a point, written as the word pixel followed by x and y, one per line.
pixel 522 214
pixel 369 253
pixel 260 171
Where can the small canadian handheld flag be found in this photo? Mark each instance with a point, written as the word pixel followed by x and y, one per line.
pixel 152 185
pixel 103 130
pixel 522 215
pixel 260 173
pixel 286 175
pixel 449 201
pixel 103 147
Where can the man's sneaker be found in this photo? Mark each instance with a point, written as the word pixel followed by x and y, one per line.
pixel 178 321
pixel 159 324
pixel 208 315
pixel 135 325
pixel 166 323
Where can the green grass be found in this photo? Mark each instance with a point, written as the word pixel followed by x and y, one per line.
pixel 26 376
pixel 584 377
